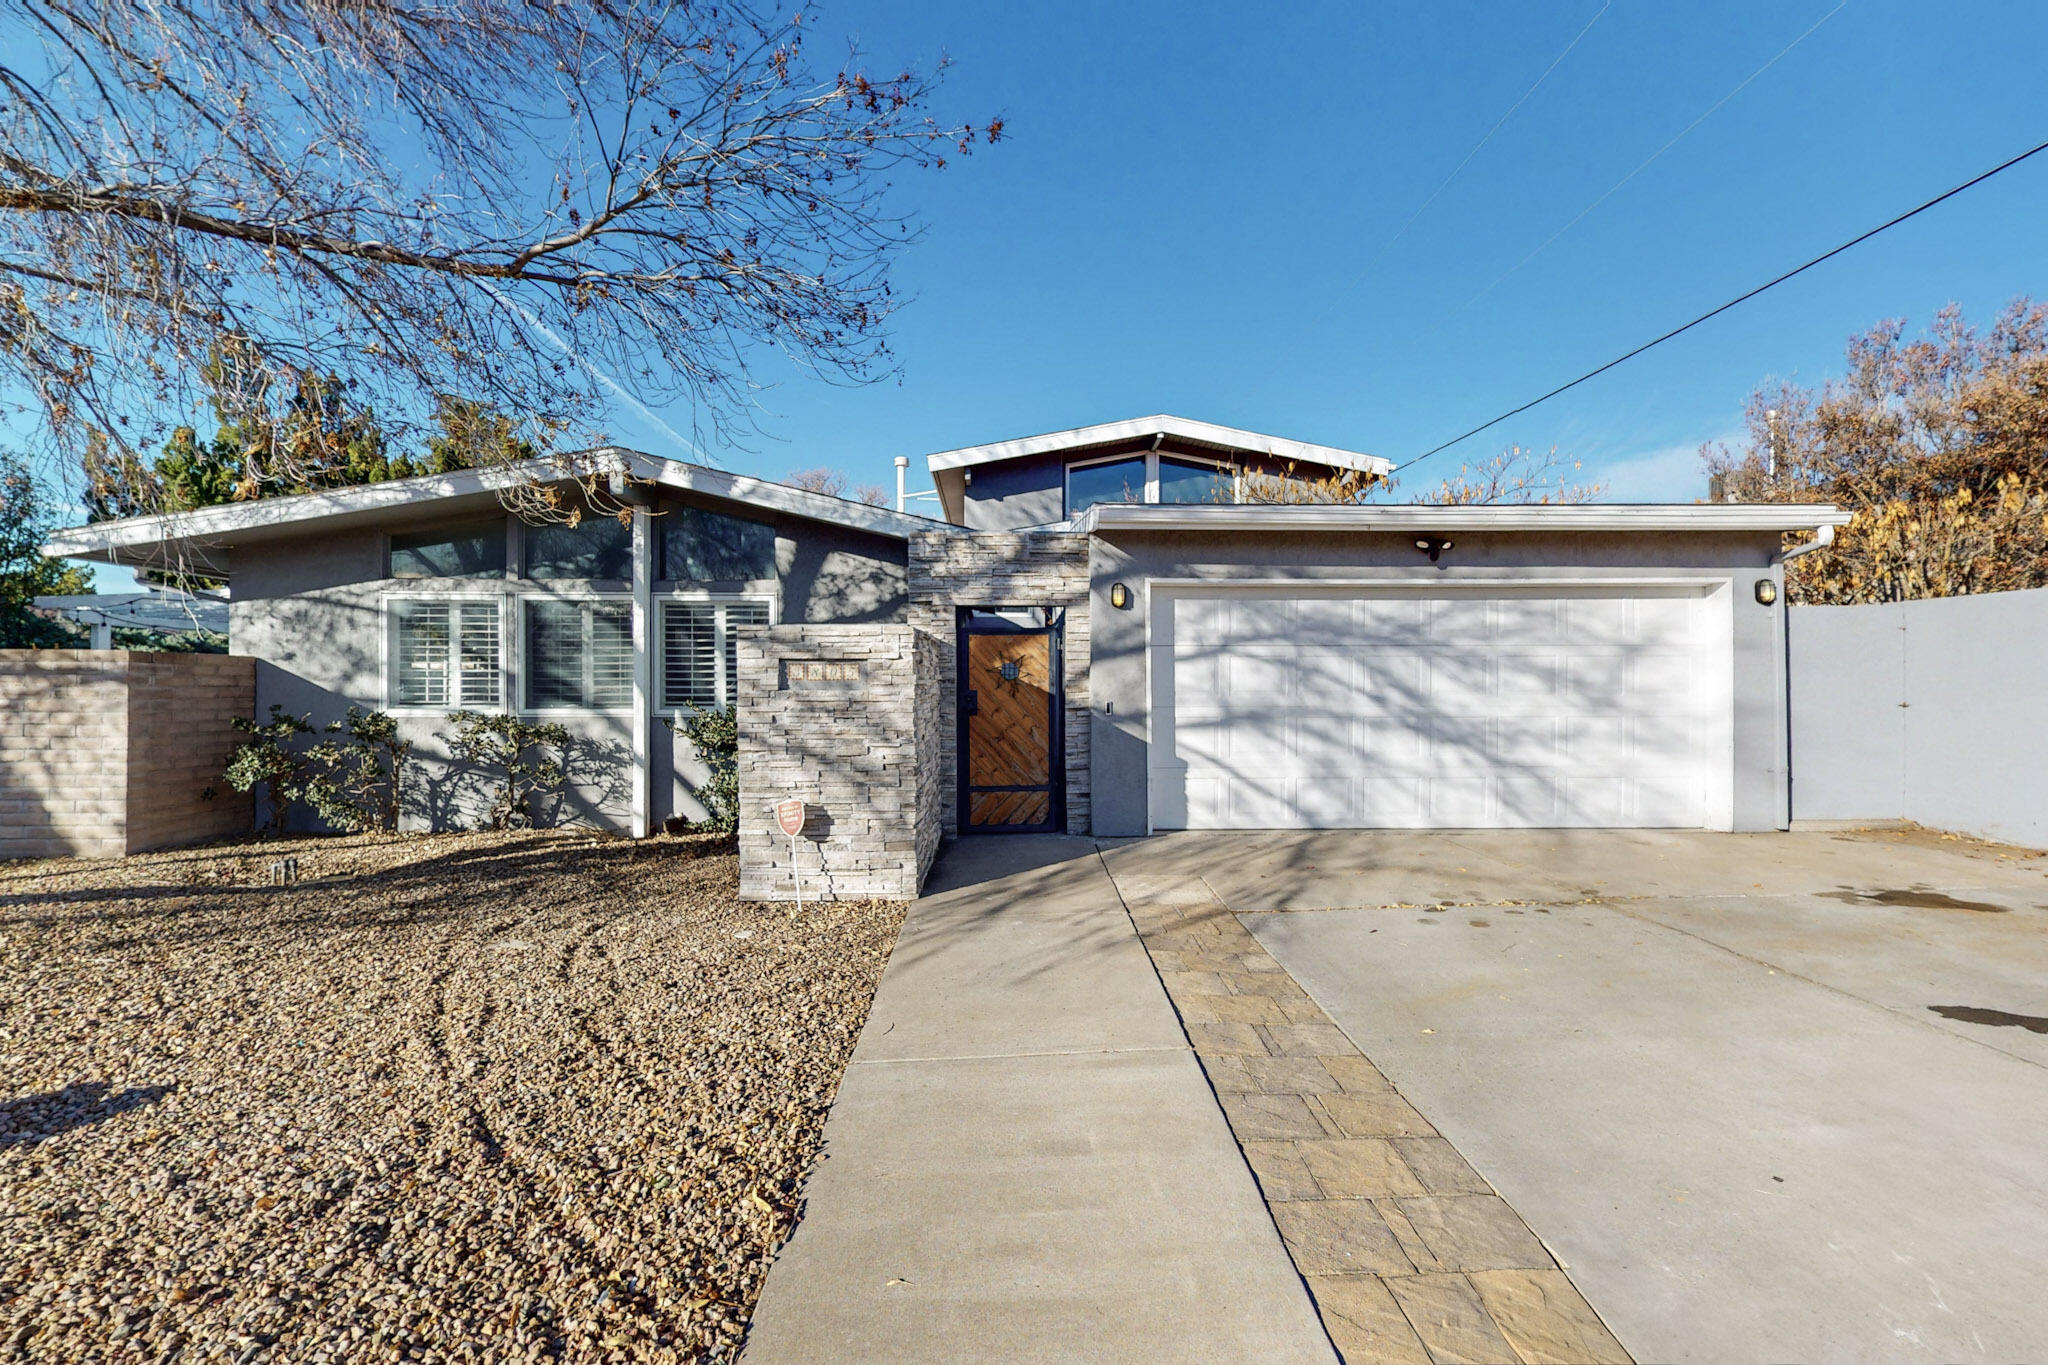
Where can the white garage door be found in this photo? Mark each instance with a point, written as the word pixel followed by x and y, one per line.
pixel 1468 710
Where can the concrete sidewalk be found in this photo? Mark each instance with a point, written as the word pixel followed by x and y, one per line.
pixel 1024 1161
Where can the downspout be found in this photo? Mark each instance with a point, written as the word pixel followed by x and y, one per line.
pixel 1824 537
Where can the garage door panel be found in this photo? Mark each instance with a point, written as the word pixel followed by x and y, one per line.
pixel 1596 681
pixel 1455 623
pixel 1459 802
pixel 1664 673
pixel 1389 683
pixel 1459 682
pixel 1533 622
pixel 1456 711
pixel 1392 803
pixel 1394 622
pixel 1526 799
pixel 1255 682
pixel 1389 741
pixel 1530 680
pixel 1531 742
pixel 1598 800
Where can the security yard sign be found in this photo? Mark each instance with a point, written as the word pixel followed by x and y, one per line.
pixel 790 815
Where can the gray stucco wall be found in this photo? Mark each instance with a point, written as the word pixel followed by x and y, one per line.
pixel 1118 679
pixel 310 610
pixel 1016 493
pixel 1928 711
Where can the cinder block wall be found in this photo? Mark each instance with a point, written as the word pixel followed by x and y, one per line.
pixel 109 752
pixel 1019 569
pixel 858 753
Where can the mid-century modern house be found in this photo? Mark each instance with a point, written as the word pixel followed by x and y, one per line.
pixel 1101 636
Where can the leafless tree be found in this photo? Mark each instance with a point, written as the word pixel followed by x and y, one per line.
pixel 540 208
pixel 1518 474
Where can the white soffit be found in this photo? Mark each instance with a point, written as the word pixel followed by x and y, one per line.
pixel 232 522
pixel 1142 428
pixel 1430 517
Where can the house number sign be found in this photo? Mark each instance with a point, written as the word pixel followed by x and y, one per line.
pixel 799 673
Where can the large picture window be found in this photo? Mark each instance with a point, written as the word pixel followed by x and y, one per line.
pixel 700 546
pixel 596 547
pixel 700 653
pixel 445 654
pixel 579 655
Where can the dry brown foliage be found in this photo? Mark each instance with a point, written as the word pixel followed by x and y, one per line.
pixel 1937 445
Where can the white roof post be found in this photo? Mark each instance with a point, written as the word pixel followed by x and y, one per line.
pixel 643 666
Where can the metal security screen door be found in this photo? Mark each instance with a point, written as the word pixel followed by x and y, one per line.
pixel 1010 774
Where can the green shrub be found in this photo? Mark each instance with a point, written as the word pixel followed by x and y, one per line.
pixel 714 731
pixel 514 755
pixel 268 759
pixel 362 779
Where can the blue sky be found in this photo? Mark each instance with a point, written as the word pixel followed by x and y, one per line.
pixel 1192 213
pixel 1198 209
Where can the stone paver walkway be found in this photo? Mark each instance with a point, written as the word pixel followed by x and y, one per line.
pixel 1410 1255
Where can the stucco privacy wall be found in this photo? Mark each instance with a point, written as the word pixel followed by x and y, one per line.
pixel 1728 561
pixel 1929 711
pixel 843 719
pixel 1019 569
pixel 310 608
pixel 109 752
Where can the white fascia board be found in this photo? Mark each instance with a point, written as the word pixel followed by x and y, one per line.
pixel 781 497
pixel 223 524
pixel 1139 428
pixel 1779 517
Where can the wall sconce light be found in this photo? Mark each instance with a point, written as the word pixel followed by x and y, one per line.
pixel 1119 597
pixel 1766 591
pixel 1434 546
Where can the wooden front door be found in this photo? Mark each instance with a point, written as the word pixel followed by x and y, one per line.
pixel 1010 774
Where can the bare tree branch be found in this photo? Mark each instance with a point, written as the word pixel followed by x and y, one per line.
pixel 520 204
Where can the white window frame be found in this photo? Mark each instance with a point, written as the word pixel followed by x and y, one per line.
pixel 387 654
pixel 574 598
pixel 1151 459
pixel 699 598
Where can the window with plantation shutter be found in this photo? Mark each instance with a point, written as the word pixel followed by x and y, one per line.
pixel 700 652
pixel 445 654
pixel 579 655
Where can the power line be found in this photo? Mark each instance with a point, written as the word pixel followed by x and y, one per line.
pixel 1609 193
pixel 1975 180
pixel 1498 125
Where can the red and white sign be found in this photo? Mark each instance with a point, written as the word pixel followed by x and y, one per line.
pixel 790 815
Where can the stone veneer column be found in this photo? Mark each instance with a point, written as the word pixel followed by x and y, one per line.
pixel 858 751
pixel 950 570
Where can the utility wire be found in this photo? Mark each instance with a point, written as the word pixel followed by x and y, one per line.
pixel 1498 125
pixel 1609 193
pixel 1975 180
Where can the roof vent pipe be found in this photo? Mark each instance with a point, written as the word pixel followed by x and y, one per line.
pixel 902 473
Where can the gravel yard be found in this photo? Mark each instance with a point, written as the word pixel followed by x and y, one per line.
pixel 465 1097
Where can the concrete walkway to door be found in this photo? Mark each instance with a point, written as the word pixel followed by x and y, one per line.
pixel 1024 1161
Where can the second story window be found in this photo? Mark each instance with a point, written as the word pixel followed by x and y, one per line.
pixel 1105 481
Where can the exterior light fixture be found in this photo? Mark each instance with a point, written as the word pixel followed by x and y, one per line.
pixel 1434 546
pixel 1119 596
pixel 1766 591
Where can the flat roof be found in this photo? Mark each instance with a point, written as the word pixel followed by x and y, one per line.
pixel 1703 516
pixel 1160 424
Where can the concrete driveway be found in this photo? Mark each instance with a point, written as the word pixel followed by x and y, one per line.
pixel 1767 1097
